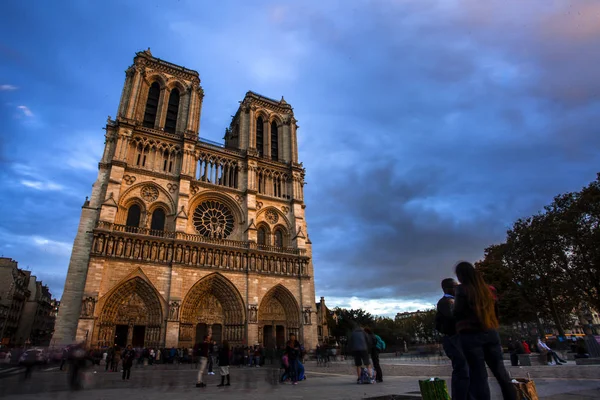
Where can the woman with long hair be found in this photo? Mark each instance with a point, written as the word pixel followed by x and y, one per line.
pixel 476 314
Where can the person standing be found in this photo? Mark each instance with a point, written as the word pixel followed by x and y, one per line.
pixel 127 356
pixel 446 325
pixel 375 355
pixel 475 310
pixel 360 344
pixel 203 353
pixel 292 349
pixel 224 363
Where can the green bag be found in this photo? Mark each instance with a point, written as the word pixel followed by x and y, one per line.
pixel 435 389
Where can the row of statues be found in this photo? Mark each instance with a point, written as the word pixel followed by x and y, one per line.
pixel 138 249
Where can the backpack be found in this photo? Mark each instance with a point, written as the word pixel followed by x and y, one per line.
pixel 380 345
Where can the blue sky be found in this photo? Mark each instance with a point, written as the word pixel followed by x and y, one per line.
pixel 426 127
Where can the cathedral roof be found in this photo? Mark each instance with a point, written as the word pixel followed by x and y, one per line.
pixel 147 54
pixel 278 103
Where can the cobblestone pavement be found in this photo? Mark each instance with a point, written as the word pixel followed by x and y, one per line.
pixel 252 383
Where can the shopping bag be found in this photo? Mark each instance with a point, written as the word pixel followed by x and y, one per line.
pixel 525 389
pixel 434 389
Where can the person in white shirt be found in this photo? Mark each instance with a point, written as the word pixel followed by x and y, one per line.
pixel 553 358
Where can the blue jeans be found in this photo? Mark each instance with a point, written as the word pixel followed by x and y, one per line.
pixel 293 370
pixel 460 368
pixel 481 348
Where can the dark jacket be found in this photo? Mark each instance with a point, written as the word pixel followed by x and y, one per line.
pixel 223 357
pixel 292 349
pixel 128 356
pixel 444 318
pixel 466 319
pixel 360 341
pixel 204 349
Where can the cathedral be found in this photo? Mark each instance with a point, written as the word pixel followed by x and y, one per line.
pixel 183 237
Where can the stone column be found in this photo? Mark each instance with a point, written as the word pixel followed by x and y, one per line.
pixel 267 139
pixel 135 92
pixel 161 112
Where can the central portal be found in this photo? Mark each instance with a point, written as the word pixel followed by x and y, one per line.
pixel 213 306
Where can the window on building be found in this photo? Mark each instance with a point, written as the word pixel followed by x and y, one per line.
pixel 152 105
pixel 158 220
pixel 172 109
pixel 274 142
pixel 259 136
pixel 133 216
pixel 279 238
pixel 262 236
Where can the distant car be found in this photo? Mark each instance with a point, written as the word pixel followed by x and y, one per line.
pixel 37 356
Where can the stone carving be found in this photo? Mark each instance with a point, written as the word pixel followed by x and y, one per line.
pixel 172 187
pixel 213 219
pixel 259 205
pixel 271 216
pixel 252 314
pixel 132 311
pixel 174 311
pixel 129 179
pixel 137 249
pixel 307 315
pixel 272 311
pixel 149 193
pixel 239 199
pixel 285 209
pixel 87 307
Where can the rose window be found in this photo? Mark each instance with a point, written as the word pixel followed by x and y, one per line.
pixel 213 219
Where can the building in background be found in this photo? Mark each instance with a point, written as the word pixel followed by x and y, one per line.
pixel 14 292
pixel 184 237
pixel 36 322
pixel 26 307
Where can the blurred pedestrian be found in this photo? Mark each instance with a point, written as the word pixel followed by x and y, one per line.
pixel 475 311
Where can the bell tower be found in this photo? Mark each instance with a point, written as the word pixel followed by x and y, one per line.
pixel 266 128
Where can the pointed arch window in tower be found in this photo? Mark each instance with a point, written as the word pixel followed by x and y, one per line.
pixel 172 110
pixel 279 238
pixel 262 236
pixel 259 136
pixel 152 105
pixel 133 216
pixel 274 142
pixel 158 220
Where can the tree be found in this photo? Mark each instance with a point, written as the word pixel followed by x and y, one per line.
pixel 578 218
pixel 513 306
pixel 537 260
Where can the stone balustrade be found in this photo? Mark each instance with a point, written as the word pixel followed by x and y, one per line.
pixel 142 244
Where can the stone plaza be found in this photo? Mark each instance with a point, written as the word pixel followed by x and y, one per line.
pixel 333 382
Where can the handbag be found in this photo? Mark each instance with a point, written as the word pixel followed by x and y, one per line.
pixel 434 389
pixel 525 388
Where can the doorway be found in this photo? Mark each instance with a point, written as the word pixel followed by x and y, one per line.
pixel 217 333
pixel 139 333
pixel 268 336
pixel 121 332
pixel 201 331
pixel 280 336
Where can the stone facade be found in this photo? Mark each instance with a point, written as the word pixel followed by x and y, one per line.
pixel 14 292
pixel 183 237
pixel 37 320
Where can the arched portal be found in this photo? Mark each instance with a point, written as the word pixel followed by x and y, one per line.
pixel 212 306
pixel 278 317
pixel 131 314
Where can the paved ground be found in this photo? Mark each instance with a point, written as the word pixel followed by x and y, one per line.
pixel 334 382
